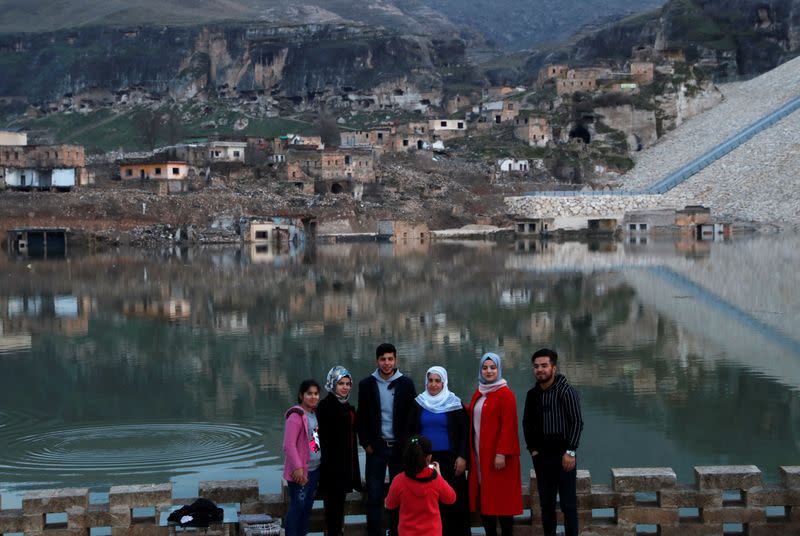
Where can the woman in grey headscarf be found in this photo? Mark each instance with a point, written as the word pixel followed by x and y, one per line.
pixel 340 473
pixel 440 416
pixel 495 484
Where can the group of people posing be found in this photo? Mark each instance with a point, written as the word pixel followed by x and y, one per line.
pixel 444 459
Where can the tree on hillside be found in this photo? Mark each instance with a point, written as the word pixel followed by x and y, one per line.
pixel 148 127
pixel 327 129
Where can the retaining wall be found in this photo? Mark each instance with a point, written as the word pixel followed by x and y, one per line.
pixel 583 205
pixel 638 501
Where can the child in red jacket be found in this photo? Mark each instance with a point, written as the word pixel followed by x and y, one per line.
pixel 418 490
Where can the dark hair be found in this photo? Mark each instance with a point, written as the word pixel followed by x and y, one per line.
pixel 415 457
pixel 546 352
pixel 385 348
pixel 304 387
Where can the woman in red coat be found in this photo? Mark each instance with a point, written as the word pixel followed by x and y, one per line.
pixel 495 482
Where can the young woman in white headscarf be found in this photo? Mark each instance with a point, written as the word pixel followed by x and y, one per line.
pixel 439 415
pixel 495 482
pixel 340 473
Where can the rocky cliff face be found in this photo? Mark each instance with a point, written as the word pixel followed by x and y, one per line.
pixel 729 37
pixel 296 62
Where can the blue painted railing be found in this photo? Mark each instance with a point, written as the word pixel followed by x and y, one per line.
pixel 695 166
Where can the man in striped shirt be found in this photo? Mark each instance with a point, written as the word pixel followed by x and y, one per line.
pixel 552 424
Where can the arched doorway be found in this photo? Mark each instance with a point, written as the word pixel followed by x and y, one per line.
pixel 580 133
pixel 336 188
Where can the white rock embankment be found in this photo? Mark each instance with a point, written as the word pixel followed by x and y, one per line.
pixel 744 104
pixel 759 181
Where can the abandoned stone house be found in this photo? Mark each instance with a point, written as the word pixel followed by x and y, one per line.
pixel 9 137
pixel 227 151
pixel 153 170
pixel 380 139
pixel 552 71
pixel 276 149
pixel 444 129
pixel 460 102
pixel 642 72
pixel 42 166
pixel 533 130
pixel 411 136
pixel 509 165
pixel 332 170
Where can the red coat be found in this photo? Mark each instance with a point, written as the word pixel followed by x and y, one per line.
pixel 500 492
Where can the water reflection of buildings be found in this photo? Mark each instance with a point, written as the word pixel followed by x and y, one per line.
pixel 172 309
pixel 23 316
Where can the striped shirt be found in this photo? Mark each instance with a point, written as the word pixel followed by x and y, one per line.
pixel 552 420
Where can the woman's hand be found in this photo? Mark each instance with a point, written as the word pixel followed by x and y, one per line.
pixel 299 476
pixel 460 466
pixel 499 461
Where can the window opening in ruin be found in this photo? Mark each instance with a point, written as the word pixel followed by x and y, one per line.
pixel 235 153
pixel 419 144
pixel 643 226
pixel 443 123
pixel 405 143
pixel 460 124
pixel 262 235
pixel 632 227
pixel 158 171
pixel 175 171
pixel 347 159
pixel 520 227
pixel 128 172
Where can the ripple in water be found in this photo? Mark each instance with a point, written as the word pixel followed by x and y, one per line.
pixel 128 449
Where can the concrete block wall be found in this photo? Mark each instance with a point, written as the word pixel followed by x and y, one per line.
pixel 638 499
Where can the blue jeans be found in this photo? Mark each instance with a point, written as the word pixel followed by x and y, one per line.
pixel 552 480
pixel 301 500
pixel 382 457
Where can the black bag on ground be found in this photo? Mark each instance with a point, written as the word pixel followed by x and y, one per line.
pixel 200 513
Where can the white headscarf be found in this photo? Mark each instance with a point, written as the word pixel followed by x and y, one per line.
pixel 443 402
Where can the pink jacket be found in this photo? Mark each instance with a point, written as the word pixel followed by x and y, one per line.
pixel 295 442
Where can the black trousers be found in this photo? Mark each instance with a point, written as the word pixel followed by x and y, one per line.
pixel 334 512
pixel 455 517
pixel 490 525
pixel 552 480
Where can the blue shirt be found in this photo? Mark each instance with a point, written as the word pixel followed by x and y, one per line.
pixel 434 427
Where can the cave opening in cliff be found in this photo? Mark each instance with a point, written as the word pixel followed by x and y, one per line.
pixel 580 133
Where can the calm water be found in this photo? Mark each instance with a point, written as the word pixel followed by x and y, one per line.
pixel 137 367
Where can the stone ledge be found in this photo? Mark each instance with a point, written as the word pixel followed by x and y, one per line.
pixel 790 476
pixel 50 501
pixel 140 495
pixel 727 477
pixel 229 491
pixel 643 479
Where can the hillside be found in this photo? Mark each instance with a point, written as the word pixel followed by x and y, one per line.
pixel 729 38
pixel 756 182
pixel 512 24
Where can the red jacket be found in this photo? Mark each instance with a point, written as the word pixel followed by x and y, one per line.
pixel 500 492
pixel 418 499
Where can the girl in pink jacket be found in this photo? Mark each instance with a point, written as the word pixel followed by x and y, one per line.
pixel 302 458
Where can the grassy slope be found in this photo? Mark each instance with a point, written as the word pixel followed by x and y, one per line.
pixel 103 130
